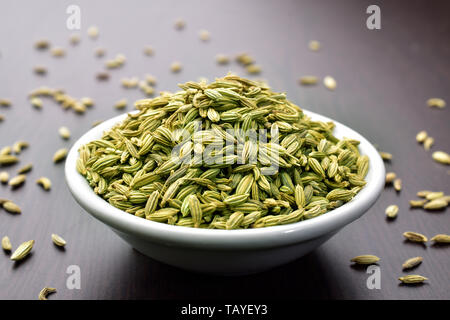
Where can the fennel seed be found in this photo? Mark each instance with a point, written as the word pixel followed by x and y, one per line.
pixel 436 102
pixel 22 251
pixel 11 207
pixel 314 45
pixel 421 136
pixel 45 292
pixel 4 177
pixel 365 259
pixel 45 183
pixel 390 177
pixel 175 67
pixel 25 169
pixel 60 155
pixel 412 279
pixel 64 132
pixel 93 32
pixel 6 243
pixel 412 262
pixel 415 237
pixel 441 238
pixel 441 157
pixel 329 83
pixel 392 211
pixel 58 240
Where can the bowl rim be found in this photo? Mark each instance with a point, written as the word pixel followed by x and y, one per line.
pixel 266 237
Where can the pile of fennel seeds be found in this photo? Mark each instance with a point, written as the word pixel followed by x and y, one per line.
pixel 133 168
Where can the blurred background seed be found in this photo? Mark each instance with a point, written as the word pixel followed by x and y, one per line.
pixel 314 45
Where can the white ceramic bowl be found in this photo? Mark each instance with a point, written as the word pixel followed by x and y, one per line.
pixel 226 252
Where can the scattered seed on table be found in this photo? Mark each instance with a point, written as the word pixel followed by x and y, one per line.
pixel 413 278
pixel 437 204
pixel 45 292
pixel 60 155
pixel 86 101
pixel 5 150
pixel 42 44
pixel 19 146
pixel 93 32
pixel 25 169
pixel 428 143
pixel 392 211
pixel 398 184
pixel 22 251
pixel 78 107
pixel 5 102
pixel 421 136
pixel 365 259
pixel 423 193
pixel 58 240
pixel 64 132
pixel 150 79
pixel 17 180
pixel 244 59
pixel 6 244
pixel 102 76
pixel 121 104
pixel 45 183
pixel 175 67
pixel 415 237
pixel 253 69
pixel 7 159
pixel 36 102
pixel 329 83
pixel 204 35
pixel 441 238
pixel 40 70
pixel 434 195
pixel 412 262
pixel 146 89
pixel 58 52
pixel 441 157
pixel 130 82
pixel 390 177
pixel 180 24
pixel 222 59
pixel 308 80
pixel 417 203
pixel 120 58
pixel 4 177
pixel 436 102
pixel 445 197
pixel 148 51
pixel 99 52
pixel 314 45
pixel 11 207
pixel 74 38
pixel 385 155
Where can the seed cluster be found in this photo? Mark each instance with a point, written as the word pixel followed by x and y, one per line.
pixel 59 96
pixel 134 169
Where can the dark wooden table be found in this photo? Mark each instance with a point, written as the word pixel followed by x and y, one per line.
pixel 384 79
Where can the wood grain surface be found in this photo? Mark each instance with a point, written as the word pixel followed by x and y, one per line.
pixel 384 78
